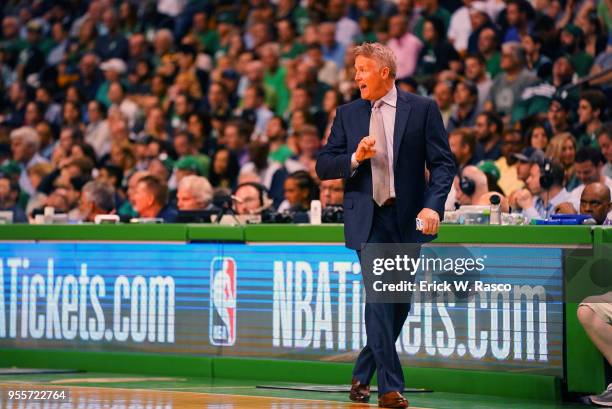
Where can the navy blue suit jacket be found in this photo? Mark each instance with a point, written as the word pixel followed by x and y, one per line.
pixel 419 139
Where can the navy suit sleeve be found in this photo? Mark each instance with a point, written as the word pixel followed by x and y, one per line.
pixel 439 161
pixel 334 160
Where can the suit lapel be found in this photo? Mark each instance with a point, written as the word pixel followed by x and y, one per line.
pixel 402 113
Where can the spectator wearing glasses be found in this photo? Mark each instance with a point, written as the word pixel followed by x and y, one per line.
pixel 588 167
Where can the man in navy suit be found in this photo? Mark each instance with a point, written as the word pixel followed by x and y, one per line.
pixel 381 144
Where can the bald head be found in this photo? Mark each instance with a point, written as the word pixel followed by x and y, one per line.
pixel 595 200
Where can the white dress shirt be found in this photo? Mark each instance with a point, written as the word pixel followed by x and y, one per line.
pixel 539 211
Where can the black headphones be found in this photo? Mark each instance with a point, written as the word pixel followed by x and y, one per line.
pixel 466 184
pixel 546 175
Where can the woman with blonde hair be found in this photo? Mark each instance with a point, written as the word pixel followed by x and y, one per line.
pixel 562 149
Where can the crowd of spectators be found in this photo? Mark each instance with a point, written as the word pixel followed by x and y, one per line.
pixel 145 108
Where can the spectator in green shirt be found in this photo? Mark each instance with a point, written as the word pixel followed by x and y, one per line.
pixel 289 46
pixel 208 38
pixel 277 93
pixel 488 43
pixel 573 44
pixel 276 133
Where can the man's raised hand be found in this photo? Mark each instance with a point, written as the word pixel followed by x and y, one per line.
pixel 365 149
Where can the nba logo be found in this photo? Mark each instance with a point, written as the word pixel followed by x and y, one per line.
pixel 222 322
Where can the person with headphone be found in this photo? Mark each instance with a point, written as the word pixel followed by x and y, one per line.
pixel 544 190
pixel 470 185
pixel 251 198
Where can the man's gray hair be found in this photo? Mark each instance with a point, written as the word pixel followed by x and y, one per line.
pixel 101 194
pixel 517 51
pixel 379 52
pixel 199 187
pixel 28 135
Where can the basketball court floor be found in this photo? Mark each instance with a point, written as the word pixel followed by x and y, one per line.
pixel 103 390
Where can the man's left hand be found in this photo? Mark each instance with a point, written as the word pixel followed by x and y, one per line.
pixel 430 219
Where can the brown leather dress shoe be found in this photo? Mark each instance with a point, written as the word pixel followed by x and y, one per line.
pixel 392 400
pixel 359 392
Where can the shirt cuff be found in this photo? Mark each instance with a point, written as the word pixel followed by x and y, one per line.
pixel 354 163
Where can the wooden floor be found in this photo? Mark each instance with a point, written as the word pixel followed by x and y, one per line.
pixel 98 398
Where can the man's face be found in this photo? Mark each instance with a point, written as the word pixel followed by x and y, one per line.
pixel 481 127
pixel 462 95
pixel 562 69
pixel 181 145
pixel 533 180
pixel 370 78
pixel 22 152
pixel 293 193
pixel 331 192
pixel 585 112
pixel 473 69
pixel 528 44
pixel 605 142
pixel 507 61
pixel 522 171
pixel 6 198
pixel 181 106
pixel 593 201
pixel 457 147
pixel 586 172
pixel 274 128
pixel 186 200
pixel 248 201
pixel 93 112
pixel 513 15
pixel 232 138
pixel 309 144
pixel 299 99
pixel 556 114
pixel 250 99
pixel 486 41
pixel 115 94
pixel 443 96
pixel 86 208
pixel 327 34
pixel 216 97
pixel 397 26
pixel 142 199
pixel 512 144
pixel 285 33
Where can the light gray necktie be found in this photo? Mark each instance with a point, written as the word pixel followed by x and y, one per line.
pixel 381 186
